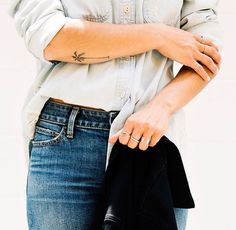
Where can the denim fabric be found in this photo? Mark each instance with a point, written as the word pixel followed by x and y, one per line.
pixel 181 215
pixel 66 168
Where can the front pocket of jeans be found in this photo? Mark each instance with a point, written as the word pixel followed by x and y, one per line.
pixel 45 136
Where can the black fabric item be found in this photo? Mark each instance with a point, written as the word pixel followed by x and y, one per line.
pixel 141 188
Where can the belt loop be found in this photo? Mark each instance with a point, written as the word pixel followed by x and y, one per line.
pixel 71 122
pixel 111 118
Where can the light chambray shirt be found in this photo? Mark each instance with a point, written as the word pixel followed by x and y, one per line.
pixel 124 83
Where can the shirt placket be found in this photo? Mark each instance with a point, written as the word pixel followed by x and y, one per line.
pixel 125 63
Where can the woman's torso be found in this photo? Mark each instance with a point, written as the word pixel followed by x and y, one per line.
pixel 108 85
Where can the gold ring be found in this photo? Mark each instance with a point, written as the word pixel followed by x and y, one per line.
pixel 134 139
pixel 147 142
pixel 124 132
pixel 202 39
pixel 202 42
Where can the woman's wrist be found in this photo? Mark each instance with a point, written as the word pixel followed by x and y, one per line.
pixel 157 29
pixel 162 103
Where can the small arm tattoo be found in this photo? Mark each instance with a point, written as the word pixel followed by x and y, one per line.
pixel 80 58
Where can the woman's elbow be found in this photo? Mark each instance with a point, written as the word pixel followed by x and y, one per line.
pixel 49 52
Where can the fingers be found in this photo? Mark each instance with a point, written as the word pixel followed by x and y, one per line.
pixel 114 138
pixel 139 139
pixel 211 44
pixel 208 55
pixel 145 142
pixel 155 138
pixel 143 137
pixel 211 52
pixel 125 134
pixel 208 62
pixel 200 71
pixel 205 41
pixel 134 137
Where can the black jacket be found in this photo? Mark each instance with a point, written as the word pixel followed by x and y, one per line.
pixel 141 188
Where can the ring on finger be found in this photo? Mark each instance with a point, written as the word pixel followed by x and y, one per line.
pixel 202 39
pixel 126 133
pixel 202 42
pixel 134 139
pixel 143 140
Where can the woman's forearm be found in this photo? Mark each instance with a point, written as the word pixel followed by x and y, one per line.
pixel 85 42
pixel 182 89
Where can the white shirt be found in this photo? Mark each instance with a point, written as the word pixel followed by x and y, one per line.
pixel 124 83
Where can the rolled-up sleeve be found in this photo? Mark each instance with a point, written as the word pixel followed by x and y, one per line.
pixel 201 17
pixel 38 21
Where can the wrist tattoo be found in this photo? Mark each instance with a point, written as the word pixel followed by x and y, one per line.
pixel 81 58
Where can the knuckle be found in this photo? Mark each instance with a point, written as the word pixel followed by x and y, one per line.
pixel 151 130
pixel 129 120
pixel 209 61
pixel 146 125
pixel 212 51
pixel 195 51
pixel 210 42
pixel 191 62
pixel 197 67
pixel 192 48
pixel 158 130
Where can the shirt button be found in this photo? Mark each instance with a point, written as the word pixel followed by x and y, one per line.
pixel 126 9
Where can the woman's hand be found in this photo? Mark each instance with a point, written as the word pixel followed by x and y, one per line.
pixel 188 49
pixel 148 124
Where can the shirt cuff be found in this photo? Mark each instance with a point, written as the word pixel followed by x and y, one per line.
pixel 205 23
pixel 38 38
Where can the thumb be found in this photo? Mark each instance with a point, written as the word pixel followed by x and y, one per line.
pixel 113 138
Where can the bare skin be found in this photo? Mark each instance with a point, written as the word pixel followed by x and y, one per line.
pixel 85 42
pixel 152 120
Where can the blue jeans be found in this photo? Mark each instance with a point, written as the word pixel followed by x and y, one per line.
pixel 67 166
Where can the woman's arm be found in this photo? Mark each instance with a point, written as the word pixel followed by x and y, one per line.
pixel 198 17
pixel 85 42
pixel 181 90
pixel 152 120
pixel 50 35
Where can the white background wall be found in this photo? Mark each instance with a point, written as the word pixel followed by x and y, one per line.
pixel 210 162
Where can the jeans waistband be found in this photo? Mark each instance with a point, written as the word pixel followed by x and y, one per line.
pixel 70 115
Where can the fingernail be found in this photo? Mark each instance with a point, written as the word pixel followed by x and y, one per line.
pixel 208 78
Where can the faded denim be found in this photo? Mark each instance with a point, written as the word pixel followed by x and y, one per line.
pixel 66 168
